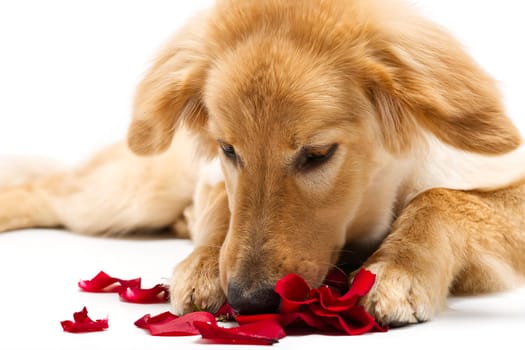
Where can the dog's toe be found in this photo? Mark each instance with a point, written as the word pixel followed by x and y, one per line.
pixel 399 298
pixel 195 284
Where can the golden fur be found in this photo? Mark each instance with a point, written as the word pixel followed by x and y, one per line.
pixel 347 130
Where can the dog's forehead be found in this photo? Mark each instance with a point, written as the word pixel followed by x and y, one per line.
pixel 267 85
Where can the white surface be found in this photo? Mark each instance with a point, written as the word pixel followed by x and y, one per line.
pixel 40 270
pixel 67 74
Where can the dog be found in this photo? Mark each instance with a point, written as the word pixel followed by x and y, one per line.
pixel 296 136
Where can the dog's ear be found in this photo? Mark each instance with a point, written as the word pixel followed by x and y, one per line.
pixel 169 94
pixel 422 76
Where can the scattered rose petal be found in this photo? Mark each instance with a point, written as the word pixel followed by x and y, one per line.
pixel 330 309
pixel 157 294
pixel 147 319
pixel 168 324
pixel 266 332
pixel 82 323
pixel 104 283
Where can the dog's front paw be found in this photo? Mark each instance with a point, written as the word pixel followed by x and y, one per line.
pixel 195 284
pixel 400 297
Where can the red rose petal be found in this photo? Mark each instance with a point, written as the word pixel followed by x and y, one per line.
pixel 246 319
pixel 369 324
pixel 294 293
pixel 147 319
pixel 82 323
pixel 301 321
pixel 104 283
pixel 354 321
pixel 157 294
pixel 167 324
pixel 265 332
pixel 295 321
pixel 362 283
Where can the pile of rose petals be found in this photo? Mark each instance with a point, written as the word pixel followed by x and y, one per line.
pixel 128 290
pixel 330 309
pixel 82 323
pixel 323 310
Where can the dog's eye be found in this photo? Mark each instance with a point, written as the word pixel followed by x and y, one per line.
pixel 229 151
pixel 312 157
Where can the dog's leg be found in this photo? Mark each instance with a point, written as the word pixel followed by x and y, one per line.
pixel 195 283
pixel 23 200
pixel 114 193
pixel 26 206
pixel 447 241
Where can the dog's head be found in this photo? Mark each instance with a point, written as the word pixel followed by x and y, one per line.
pixel 303 102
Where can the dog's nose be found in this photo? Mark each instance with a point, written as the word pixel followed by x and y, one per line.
pixel 252 301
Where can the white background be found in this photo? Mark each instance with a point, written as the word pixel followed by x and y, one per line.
pixel 67 76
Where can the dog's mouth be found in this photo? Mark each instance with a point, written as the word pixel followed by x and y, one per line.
pixel 247 296
pixel 253 292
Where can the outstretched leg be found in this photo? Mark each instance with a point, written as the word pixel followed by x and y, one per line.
pixel 25 206
pixel 448 241
pixel 114 193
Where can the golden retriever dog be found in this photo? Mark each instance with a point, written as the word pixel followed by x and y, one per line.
pixel 294 136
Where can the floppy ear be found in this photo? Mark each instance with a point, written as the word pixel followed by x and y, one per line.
pixel 420 71
pixel 170 93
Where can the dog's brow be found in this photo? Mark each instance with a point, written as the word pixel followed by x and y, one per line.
pixel 316 149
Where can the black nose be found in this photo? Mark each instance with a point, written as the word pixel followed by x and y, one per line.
pixel 252 301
